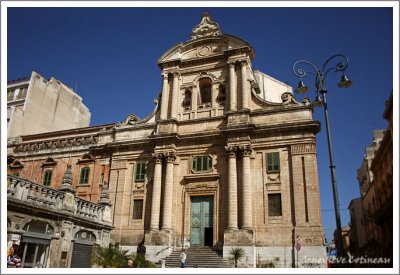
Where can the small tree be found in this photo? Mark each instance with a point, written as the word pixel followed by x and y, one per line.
pixel 237 254
pixel 109 256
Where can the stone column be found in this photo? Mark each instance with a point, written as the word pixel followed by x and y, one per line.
pixel 156 197
pixel 232 188
pixel 164 97
pixel 245 92
pixel 169 186
pixel 247 201
pixel 174 101
pixel 232 87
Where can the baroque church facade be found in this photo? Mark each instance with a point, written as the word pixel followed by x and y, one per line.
pixel 222 161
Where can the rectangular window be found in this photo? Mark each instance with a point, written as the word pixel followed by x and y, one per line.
pixel 84 178
pixel 47 177
pixel 273 162
pixel 202 164
pixel 274 205
pixel 137 209
pixel 140 171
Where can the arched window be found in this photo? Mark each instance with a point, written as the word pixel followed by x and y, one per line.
pixel 39 227
pixel 205 90
pixel 84 235
pixel 35 244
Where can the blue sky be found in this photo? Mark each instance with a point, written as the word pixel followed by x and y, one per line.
pixel 98 52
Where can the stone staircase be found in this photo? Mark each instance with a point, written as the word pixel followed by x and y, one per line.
pixel 198 257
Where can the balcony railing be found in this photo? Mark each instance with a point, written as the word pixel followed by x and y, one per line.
pixel 53 200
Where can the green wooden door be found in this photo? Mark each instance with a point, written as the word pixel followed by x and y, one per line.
pixel 201 219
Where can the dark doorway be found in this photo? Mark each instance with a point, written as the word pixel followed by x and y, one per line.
pixel 208 236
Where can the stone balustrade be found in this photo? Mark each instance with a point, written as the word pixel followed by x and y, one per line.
pixel 55 200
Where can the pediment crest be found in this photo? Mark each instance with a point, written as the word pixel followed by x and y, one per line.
pixel 207 27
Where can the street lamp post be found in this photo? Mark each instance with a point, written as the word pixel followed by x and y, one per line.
pixel 320 89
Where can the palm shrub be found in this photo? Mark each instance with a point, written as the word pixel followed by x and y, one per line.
pixel 237 254
pixel 109 256
pixel 141 262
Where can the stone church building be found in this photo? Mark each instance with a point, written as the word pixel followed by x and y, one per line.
pixel 227 159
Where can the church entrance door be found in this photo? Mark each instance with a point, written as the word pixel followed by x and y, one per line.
pixel 201 221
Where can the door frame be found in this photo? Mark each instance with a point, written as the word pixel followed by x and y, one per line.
pixel 209 186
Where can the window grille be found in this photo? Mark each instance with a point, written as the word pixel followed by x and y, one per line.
pixel 137 209
pixel 274 205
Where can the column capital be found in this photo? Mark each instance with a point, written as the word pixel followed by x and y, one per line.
pixel 170 156
pixel 164 75
pixel 243 62
pixel 246 149
pixel 231 62
pixel 231 150
pixel 157 157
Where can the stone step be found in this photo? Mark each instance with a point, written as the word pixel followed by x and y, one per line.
pixel 198 257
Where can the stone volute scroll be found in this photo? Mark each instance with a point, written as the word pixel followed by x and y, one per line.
pixel 207 27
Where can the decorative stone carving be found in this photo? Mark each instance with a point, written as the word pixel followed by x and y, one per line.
pixel 246 149
pixel 204 51
pixel 131 119
pixel 157 157
pixel 300 149
pixel 105 195
pixel 16 164
pixel 231 150
pixel 170 156
pixel 66 182
pixel 306 101
pixel 205 28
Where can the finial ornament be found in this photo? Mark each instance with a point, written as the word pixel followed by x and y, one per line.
pixel 66 182
pixel 206 27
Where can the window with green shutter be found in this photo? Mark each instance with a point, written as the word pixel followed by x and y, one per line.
pixel 47 177
pixel 140 171
pixel 273 162
pixel 84 178
pixel 202 164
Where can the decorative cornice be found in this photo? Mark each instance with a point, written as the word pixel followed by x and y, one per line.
pixel 55 144
pixel 301 149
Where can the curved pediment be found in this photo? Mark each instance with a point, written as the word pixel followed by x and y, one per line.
pixel 204 47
